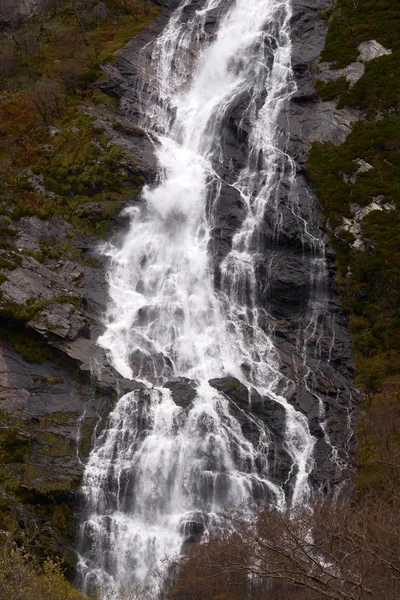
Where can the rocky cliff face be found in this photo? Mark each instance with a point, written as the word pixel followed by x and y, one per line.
pixel 55 387
pixel 16 11
pixel 285 276
pixel 53 407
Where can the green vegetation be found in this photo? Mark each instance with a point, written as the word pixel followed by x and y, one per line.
pixel 14 446
pixel 350 23
pixel 354 21
pixel 32 348
pixel 31 308
pixel 81 168
pixel 53 158
pixel 234 383
pixel 368 279
pixel 331 89
pixel 378 91
pixel 22 577
pixel 32 494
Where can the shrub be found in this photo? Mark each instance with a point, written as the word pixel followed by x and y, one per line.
pixel 23 578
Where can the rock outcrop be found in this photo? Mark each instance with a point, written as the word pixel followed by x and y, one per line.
pixel 15 12
pixel 55 384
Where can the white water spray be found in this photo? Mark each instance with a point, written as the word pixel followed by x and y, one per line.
pixel 161 473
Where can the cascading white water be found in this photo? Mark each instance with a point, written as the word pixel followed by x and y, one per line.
pixel 159 471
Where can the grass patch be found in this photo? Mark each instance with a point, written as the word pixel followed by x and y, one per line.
pixel 330 90
pixel 32 348
pixel 367 94
pixel 351 23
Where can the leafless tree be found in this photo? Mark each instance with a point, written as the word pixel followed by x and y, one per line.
pixel 70 72
pixel 80 19
pixel 47 97
pixel 335 552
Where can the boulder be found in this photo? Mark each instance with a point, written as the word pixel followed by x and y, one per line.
pixel 100 11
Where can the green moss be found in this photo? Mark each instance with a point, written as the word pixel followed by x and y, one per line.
pixel 371 294
pixel 368 281
pixel 57 418
pixel 79 164
pixel 80 167
pixel 354 22
pixel 7 231
pixel 6 264
pixel 38 491
pixel 10 260
pixel 38 256
pixel 331 89
pixel 234 383
pixel 378 91
pixel 42 482
pixel 31 308
pixel 86 437
pixel 90 261
pixel 52 380
pixel 32 348
pixel 74 300
pixel 325 14
pixel 54 446
pixel 14 446
pixel 62 519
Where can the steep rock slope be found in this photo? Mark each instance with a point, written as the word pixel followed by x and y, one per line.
pixel 284 269
pixel 357 180
pixel 63 184
pixel 52 408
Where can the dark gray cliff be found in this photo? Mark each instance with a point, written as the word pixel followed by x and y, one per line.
pixel 55 385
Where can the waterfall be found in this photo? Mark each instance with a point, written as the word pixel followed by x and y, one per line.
pixel 161 473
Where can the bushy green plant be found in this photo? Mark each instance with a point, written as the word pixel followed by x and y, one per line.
pixel 354 21
pixel 22 577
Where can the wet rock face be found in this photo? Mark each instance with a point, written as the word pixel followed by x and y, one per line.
pixel 46 421
pixel 246 403
pixel 50 404
pixel 295 274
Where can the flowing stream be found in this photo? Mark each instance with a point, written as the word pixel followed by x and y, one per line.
pixel 161 473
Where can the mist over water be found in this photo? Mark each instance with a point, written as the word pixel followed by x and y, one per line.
pixel 161 473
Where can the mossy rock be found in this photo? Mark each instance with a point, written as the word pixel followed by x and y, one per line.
pixel 234 383
pixel 62 519
pixel 351 23
pixel 331 89
pixel 14 445
pixel 382 73
pixel 368 281
pixel 85 441
pixel 56 418
pixel 54 446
